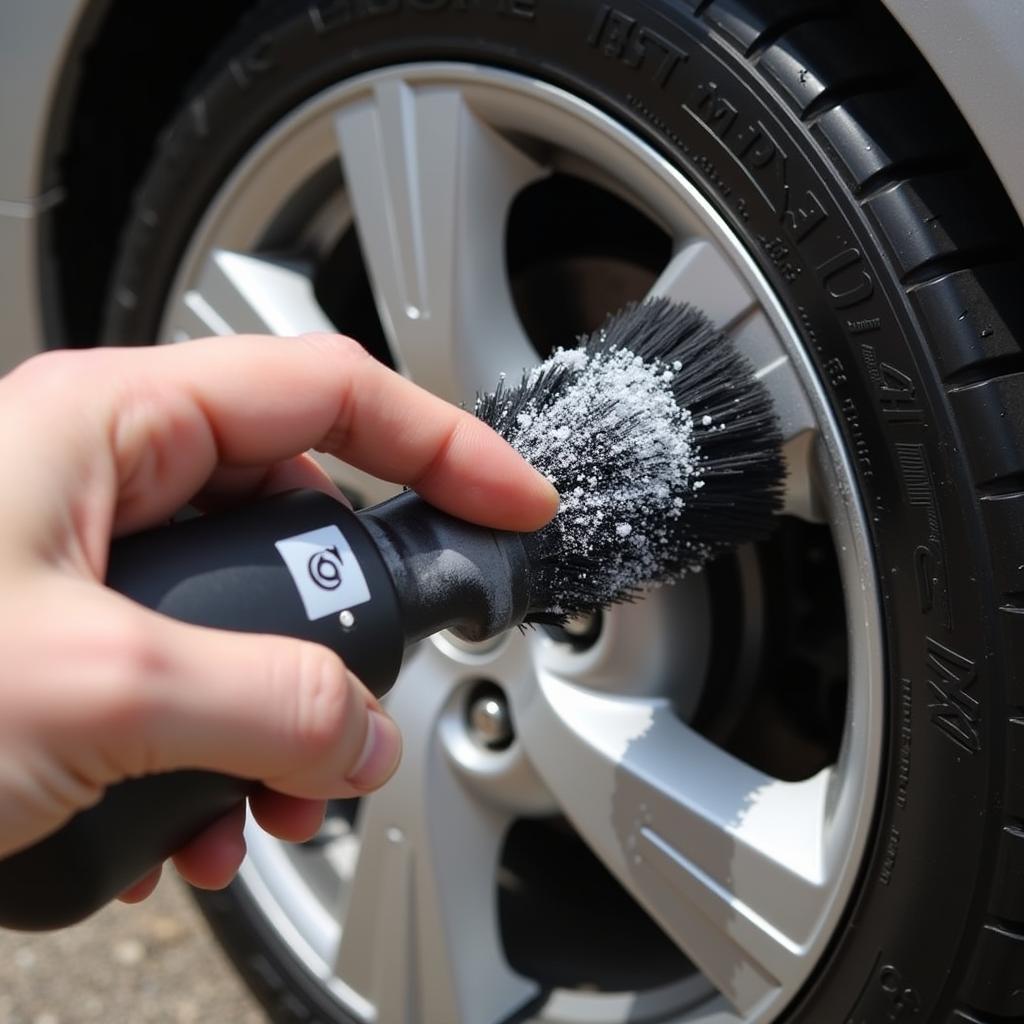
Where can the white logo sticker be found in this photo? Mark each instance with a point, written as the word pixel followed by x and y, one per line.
pixel 325 571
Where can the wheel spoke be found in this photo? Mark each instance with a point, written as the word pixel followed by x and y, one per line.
pixel 420 938
pixel 757 340
pixel 754 336
pixel 730 862
pixel 800 495
pixel 238 293
pixel 430 186
pixel 700 274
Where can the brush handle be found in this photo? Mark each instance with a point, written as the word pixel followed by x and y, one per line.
pixel 291 564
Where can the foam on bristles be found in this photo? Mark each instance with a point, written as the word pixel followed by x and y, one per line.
pixel 663 445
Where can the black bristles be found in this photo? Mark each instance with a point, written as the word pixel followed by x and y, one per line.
pixel 651 487
pixel 741 449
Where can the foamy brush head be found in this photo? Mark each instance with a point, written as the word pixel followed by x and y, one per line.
pixel 663 445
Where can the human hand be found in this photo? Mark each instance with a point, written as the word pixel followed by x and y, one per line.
pixel 94 688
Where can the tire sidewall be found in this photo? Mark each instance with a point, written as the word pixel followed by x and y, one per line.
pixel 655 68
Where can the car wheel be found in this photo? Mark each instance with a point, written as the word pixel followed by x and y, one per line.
pixel 790 788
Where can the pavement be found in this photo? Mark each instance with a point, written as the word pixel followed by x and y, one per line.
pixel 154 963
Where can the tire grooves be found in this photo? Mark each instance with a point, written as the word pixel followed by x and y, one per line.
pixel 901 172
pixel 774 33
pixel 1002 488
pixel 1014 826
pixel 1013 930
pixel 965 1015
pixel 864 85
pixel 976 988
pixel 986 371
pixel 934 269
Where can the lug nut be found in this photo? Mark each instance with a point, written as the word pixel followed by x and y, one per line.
pixel 489 718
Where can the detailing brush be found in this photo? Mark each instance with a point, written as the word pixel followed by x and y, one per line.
pixel 662 444
pixel 665 450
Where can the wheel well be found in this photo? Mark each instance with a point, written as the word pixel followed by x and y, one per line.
pixel 134 65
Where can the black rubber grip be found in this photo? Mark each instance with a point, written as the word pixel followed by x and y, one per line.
pixel 291 565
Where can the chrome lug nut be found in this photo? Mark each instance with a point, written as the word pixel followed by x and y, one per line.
pixel 489 718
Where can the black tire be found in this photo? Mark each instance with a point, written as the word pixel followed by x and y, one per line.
pixel 826 142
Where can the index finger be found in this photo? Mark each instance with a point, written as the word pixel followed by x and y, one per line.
pixel 267 399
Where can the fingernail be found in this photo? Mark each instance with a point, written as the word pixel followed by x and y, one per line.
pixel 553 496
pixel 381 752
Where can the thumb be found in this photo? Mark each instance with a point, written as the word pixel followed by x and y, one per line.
pixel 283 711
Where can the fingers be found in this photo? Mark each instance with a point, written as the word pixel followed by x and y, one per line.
pixel 288 817
pixel 143 888
pixel 175 412
pixel 270 708
pixel 228 484
pixel 357 409
pixel 213 858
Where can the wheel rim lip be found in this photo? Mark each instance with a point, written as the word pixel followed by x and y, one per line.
pixel 862 745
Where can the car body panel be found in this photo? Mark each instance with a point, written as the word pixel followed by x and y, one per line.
pixel 976 47
pixel 973 45
pixel 34 43
pixel 35 40
pixel 19 288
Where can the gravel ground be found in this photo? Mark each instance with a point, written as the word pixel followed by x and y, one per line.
pixel 154 963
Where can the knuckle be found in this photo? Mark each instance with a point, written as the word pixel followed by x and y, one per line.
pixel 130 661
pixel 340 357
pixel 122 695
pixel 338 347
pixel 152 424
pixel 323 702
pixel 56 368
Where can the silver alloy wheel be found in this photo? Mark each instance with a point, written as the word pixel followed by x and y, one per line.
pixel 747 874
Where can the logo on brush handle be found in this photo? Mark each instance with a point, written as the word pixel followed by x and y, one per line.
pixel 325 571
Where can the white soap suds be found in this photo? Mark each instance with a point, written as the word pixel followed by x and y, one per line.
pixel 664 447
pixel 620 449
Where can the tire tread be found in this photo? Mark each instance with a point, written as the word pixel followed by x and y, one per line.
pixel 883 138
